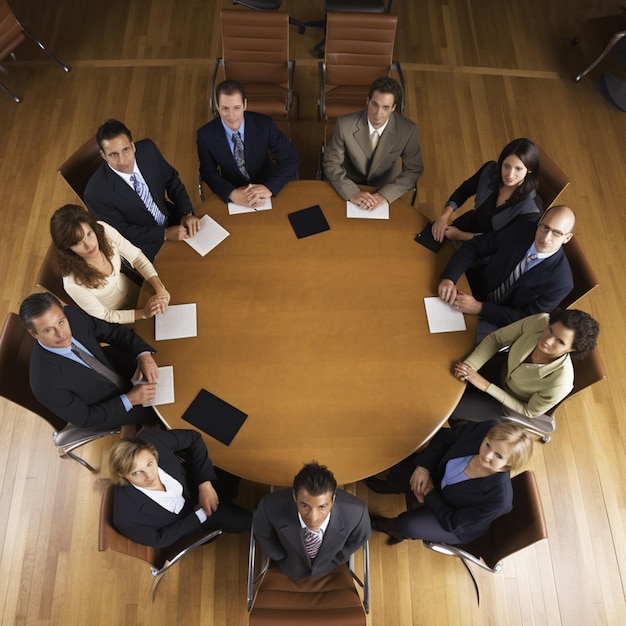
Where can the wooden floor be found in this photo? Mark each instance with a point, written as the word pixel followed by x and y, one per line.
pixel 478 74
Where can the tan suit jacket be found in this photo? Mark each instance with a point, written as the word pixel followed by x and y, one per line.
pixel 393 168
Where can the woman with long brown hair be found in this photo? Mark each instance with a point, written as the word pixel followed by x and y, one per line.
pixel 90 257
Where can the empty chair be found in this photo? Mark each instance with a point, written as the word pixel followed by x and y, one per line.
pixel 12 34
pixel 359 49
pixel 15 349
pixel 524 525
pixel 255 52
pixel 552 180
pixel 274 598
pixel 585 278
pixel 159 559
pixel 600 36
pixel 79 167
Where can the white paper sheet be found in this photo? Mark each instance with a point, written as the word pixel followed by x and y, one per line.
pixel 178 321
pixel 210 235
pixel 443 317
pixel 379 213
pixel 234 209
pixel 165 387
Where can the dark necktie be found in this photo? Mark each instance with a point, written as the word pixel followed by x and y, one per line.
pixel 239 155
pixel 99 367
pixel 146 197
pixel 497 294
pixel 312 543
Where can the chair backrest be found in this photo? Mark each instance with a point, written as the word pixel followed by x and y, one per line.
pixel 16 345
pixel 524 525
pixel 552 180
pixel 77 170
pixel 585 278
pixel 255 51
pixel 11 31
pixel 50 279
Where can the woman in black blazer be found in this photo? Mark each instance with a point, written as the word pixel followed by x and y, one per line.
pixel 461 479
pixel 158 500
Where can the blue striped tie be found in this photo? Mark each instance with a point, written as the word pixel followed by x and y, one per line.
pixel 497 294
pixel 146 197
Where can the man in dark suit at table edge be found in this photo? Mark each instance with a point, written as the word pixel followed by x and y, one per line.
pixel 78 380
pixel 244 158
pixel 138 192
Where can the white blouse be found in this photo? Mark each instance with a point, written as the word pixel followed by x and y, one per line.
pixel 116 300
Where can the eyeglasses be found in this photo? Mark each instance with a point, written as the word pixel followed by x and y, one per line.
pixel 546 229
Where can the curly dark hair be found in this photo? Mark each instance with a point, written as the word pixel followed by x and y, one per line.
pixel 315 478
pixel 66 231
pixel 527 152
pixel 586 330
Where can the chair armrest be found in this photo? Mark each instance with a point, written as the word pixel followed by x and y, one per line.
pixel 321 103
pixel 449 550
pixel 395 66
pixel 212 104
pixel 204 539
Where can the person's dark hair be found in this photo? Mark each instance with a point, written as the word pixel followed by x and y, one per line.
pixel 315 478
pixel 111 129
pixel 586 330
pixel 66 231
pixel 123 454
pixel 229 88
pixel 36 305
pixel 528 153
pixel 386 84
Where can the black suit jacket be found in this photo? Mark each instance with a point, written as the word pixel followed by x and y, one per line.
pixel 77 393
pixel 115 202
pixel 140 518
pixel 278 531
pixel 219 170
pixel 466 508
pixel 538 290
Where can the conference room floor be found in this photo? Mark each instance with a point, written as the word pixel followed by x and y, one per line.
pixel 478 74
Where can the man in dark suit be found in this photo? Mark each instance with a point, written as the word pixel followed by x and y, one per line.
pixel 158 499
pixel 244 158
pixel 311 529
pixel 378 147
pixel 79 381
pixel 515 272
pixel 129 191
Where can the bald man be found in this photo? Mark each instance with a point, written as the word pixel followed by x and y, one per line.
pixel 514 272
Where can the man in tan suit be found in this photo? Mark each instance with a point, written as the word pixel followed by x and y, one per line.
pixel 377 147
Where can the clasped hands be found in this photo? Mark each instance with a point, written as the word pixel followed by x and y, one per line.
pixel 460 301
pixel 466 373
pixel 366 200
pixel 251 196
pixel 421 483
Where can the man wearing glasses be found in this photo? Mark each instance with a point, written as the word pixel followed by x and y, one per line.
pixel 513 273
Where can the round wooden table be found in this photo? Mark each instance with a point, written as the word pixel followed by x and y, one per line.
pixel 322 341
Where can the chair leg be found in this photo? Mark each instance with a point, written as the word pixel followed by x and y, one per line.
pixel 78 460
pixel 8 91
pixel 155 583
pixel 45 49
pixel 608 49
pixel 471 572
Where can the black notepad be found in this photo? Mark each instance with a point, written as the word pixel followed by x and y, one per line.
pixel 308 221
pixel 215 417
pixel 426 239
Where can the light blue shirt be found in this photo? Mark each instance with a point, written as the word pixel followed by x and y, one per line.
pixel 455 469
pixel 540 256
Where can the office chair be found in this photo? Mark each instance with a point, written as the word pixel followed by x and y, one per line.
pixel 15 348
pixel 524 525
pixel 159 559
pixel 585 279
pixel 273 5
pixel 12 34
pixel 552 180
pixel 79 167
pixel 273 598
pixel 50 279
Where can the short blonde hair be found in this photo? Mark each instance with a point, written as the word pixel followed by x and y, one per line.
pixel 520 442
pixel 123 455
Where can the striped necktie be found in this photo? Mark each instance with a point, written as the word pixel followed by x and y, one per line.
pixel 98 366
pixel 146 197
pixel 239 155
pixel 497 294
pixel 312 543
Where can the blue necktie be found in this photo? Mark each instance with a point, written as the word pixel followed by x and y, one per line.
pixel 239 155
pixel 146 197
